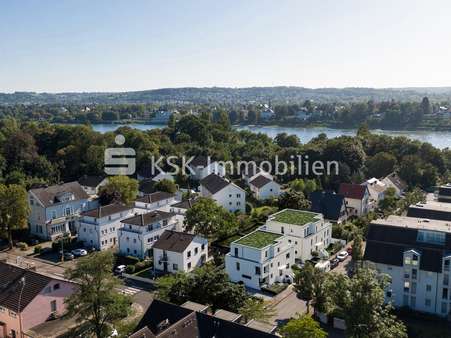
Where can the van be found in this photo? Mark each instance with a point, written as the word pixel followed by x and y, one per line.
pixel 323 266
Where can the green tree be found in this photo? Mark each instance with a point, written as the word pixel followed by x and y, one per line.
pixel 119 189
pixel 380 165
pixel 390 201
pixel 166 186
pixel 255 308
pixel 362 302
pixel 310 186
pixel 357 248
pixel 210 220
pixel 302 327
pixel 14 209
pixel 293 200
pixel 304 283
pixel 297 185
pixel 95 299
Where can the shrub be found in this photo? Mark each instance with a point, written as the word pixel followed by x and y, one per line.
pixel 22 246
pixel 37 249
pixel 130 269
pixel 143 265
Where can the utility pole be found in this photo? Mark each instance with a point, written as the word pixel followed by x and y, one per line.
pixel 19 312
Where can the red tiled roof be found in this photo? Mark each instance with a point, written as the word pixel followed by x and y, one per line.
pixel 354 191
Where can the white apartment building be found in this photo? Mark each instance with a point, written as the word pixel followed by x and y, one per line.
pixel 178 251
pixel 157 200
pixel 260 258
pixel 55 209
pixel 416 255
pixel 225 193
pixel 98 228
pixel 307 231
pixel 140 232
pixel 202 166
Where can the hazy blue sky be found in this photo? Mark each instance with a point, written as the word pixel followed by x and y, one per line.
pixel 93 45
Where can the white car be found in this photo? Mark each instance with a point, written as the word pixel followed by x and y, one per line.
pixel 79 252
pixel 342 255
pixel 120 269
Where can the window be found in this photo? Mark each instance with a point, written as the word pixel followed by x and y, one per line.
pixel 188 254
pixel 266 253
pixel 444 308
pixel 257 270
pixel 189 265
pixel 407 260
pixel 446 263
pixel 12 314
pixel 406 286
pixel 282 230
pixel 236 252
pixel 389 294
pixel 246 276
pixel 414 287
pixel 67 211
pixel 414 273
pixel 56 286
pixel 134 240
pixel 175 267
pixel 237 266
pixel 427 302
pixel 53 306
pixel 203 247
pixel 428 287
pixel 445 293
pixel 287 255
pixel 196 250
pixel 445 279
pixel 53 214
pixel 238 195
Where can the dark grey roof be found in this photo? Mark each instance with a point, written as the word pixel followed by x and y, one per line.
pixel 91 181
pixel 48 196
pixel 186 204
pixel 155 197
pixel 251 170
pixel 107 210
pixel 214 183
pixel 424 212
pixel 327 203
pixel 149 218
pixel 11 285
pixel 173 241
pixel 200 160
pixel 185 323
pixel 386 244
pixel 260 181
pixel 444 190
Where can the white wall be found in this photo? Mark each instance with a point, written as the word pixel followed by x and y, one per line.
pixel 269 190
pixel 232 198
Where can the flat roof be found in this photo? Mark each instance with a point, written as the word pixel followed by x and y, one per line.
pixel 258 239
pixel 433 205
pixel 264 327
pixel 195 306
pixel 415 223
pixel 227 315
pixel 296 217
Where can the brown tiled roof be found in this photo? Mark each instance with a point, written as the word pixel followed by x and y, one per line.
pixel 155 197
pixel 48 195
pixel 214 183
pixel 354 191
pixel 260 181
pixel 107 210
pixel 149 218
pixel 11 286
pixel 174 241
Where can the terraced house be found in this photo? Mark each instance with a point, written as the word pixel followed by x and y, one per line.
pixel 260 258
pixel 307 231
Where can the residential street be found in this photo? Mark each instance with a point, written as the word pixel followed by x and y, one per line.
pixel 287 305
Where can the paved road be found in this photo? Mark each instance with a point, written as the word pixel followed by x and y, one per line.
pixel 287 307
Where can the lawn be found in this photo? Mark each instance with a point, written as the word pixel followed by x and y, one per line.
pixel 295 217
pixel 258 239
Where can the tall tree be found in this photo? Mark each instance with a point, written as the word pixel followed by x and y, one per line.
pixel 304 283
pixel 119 189
pixel 293 200
pixel 302 327
pixel 256 308
pixel 166 186
pixel 95 299
pixel 14 209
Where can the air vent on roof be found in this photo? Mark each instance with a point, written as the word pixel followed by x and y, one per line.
pixel 163 325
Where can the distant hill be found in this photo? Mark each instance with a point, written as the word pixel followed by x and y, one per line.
pixel 230 95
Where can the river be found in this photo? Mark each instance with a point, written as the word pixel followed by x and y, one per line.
pixel 439 139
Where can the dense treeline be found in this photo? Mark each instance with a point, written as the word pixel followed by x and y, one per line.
pixel 39 152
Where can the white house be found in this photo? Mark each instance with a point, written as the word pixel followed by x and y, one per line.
pixel 202 166
pixel 357 198
pixel 92 184
pixel 260 258
pixel 178 251
pixel 98 228
pixel 158 200
pixel 225 193
pixel 416 255
pixel 141 231
pixel 394 181
pixel 307 231
pixel 55 209
pixel 251 172
pixel 264 187
pixel 376 190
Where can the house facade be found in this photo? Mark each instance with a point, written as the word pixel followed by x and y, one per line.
pixel 357 198
pixel 98 228
pixel 307 231
pixel 376 190
pixel 394 181
pixel 264 187
pixel 28 299
pixel 260 258
pixel 444 193
pixel 225 193
pixel 416 255
pixel 178 251
pixel 157 200
pixel 55 209
pixel 202 166
pixel 139 232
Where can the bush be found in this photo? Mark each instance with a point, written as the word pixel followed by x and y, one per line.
pixel 130 269
pixel 143 265
pixel 22 246
pixel 37 249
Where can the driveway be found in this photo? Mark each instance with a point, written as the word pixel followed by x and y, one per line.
pixel 287 306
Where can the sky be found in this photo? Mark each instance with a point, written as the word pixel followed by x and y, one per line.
pixel 109 45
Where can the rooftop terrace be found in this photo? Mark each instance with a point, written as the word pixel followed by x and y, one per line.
pixel 258 239
pixel 297 217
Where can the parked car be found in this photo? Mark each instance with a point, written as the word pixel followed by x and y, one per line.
pixel 342 255
pixel 334 263
pixel 323 266
pixel 79 252
pixel 349 250
pixel 120 269
pixel 288 279
pixel 68 256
